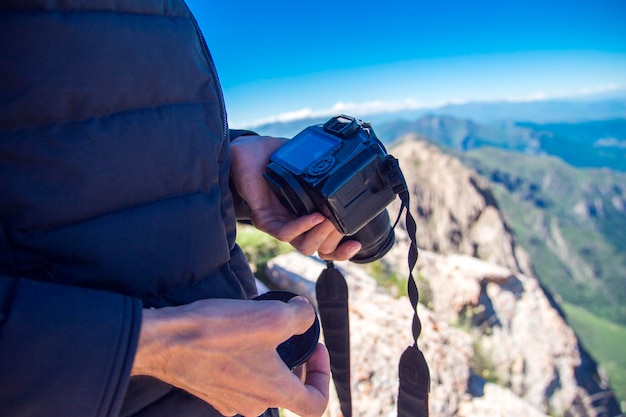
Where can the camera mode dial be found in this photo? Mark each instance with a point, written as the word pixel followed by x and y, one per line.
pixel 321 166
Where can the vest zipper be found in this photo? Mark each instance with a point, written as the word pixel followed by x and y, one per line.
pixel 213 69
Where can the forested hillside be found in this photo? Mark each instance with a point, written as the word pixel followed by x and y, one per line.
pixel 571 221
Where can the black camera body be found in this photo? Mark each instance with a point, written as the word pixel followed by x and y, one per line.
pixel 342 170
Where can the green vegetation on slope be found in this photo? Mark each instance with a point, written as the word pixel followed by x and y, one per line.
pixel 606 340
pixel 571 221
pixel 259 248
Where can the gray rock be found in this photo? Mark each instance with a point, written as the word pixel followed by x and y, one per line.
pixel 495 344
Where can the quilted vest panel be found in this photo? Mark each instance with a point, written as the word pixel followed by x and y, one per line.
pixel 114 149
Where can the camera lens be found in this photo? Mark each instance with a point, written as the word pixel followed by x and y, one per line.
pixel 376 238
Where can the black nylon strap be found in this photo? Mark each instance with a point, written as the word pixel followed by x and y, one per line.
pixel 414 382
pixel 413 370
pixel 332 301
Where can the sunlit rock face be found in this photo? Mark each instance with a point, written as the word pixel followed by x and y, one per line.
pixel 496 343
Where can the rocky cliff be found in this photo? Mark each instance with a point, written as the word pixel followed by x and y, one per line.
pixel 455 210
pixel 496 343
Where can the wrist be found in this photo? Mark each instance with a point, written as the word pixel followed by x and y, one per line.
pixel 151 345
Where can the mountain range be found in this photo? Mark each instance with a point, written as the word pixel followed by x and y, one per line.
pixel 558 170
pixel 589 144
pixel 557 173
pixel 591 108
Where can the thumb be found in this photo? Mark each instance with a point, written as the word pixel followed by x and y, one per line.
pixel 303 314
pixel 278 321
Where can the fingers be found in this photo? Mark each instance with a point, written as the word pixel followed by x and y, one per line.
pixel 277 321
pixel 344 252
pixel 308 234
pixel 307 397
pixel 289 230
pixel 326 241
pixel 210 346
pixel 303 314
pixel 318 370
pixel 311 399
pixel 323 237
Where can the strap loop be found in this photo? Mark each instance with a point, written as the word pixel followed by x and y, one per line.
pixel 332 301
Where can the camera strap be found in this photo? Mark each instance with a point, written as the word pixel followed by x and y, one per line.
pixel 332 300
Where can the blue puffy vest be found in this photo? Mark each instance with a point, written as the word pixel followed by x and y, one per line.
pixel 114 166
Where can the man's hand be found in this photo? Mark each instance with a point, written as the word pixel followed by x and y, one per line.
pixel 308 234
pixel 224 352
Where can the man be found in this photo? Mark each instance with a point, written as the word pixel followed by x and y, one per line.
pixel 117 251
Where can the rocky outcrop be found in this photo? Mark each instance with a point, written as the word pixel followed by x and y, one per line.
pixel 494 343
pixel 455 210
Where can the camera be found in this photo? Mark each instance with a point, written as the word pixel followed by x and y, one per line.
pixel 342 170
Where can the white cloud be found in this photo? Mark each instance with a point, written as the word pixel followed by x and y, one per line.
pixel 583 92
pixel 362 109
pixel 600 89
pixel 536 96
pixel 382 106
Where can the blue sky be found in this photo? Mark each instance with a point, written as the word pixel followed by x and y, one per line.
pixel 279 60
